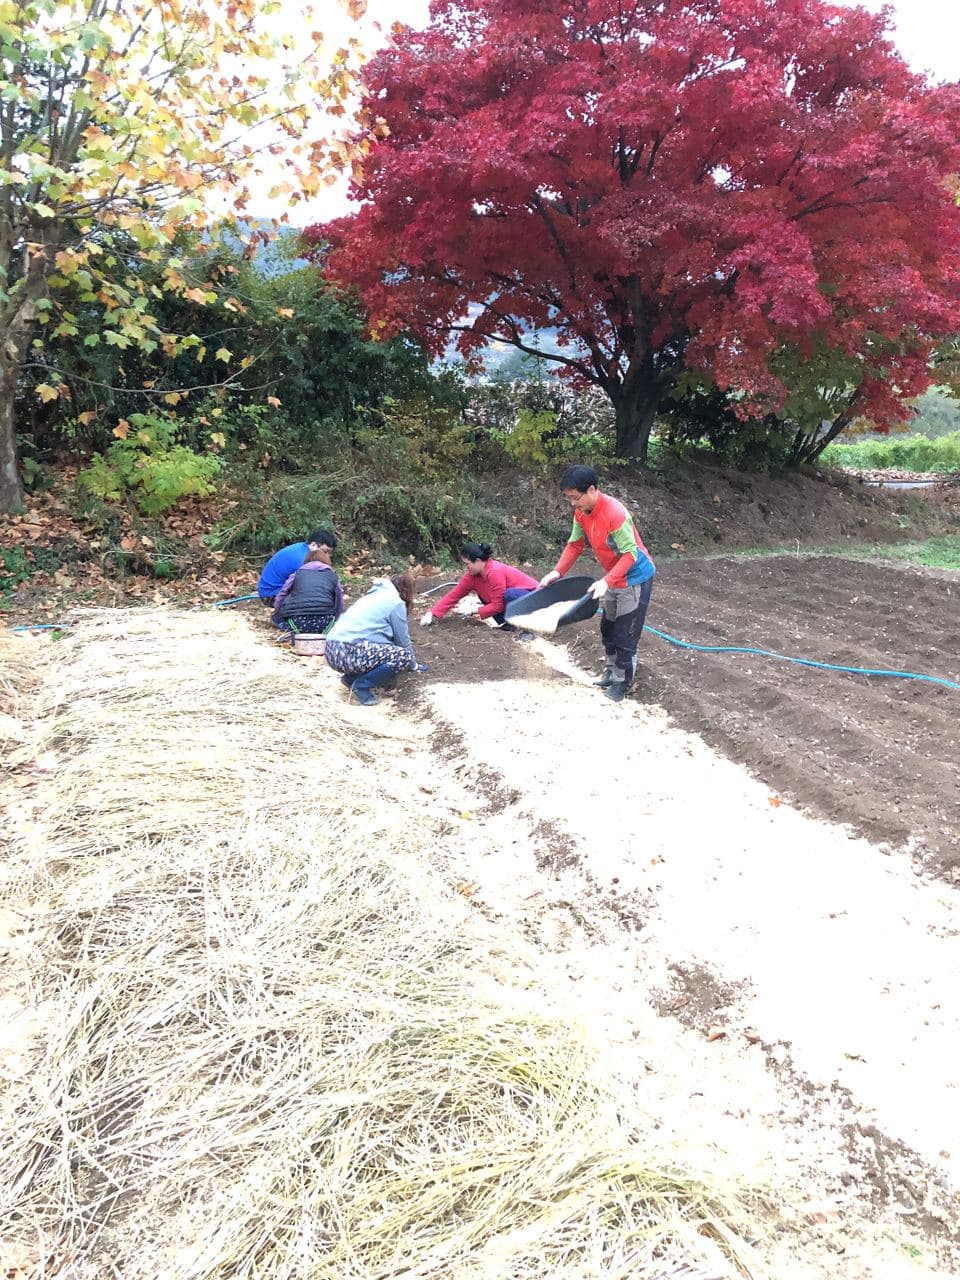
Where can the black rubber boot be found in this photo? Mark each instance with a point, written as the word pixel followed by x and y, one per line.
pixel 616 691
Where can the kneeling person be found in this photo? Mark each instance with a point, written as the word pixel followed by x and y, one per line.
pixel 496 584
pixel 370 642
pixel 288 560
pixel 311 598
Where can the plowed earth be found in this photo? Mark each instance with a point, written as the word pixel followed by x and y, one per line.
pixel 772 960
pixel 880 754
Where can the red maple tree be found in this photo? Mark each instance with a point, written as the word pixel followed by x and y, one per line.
pixel 693 185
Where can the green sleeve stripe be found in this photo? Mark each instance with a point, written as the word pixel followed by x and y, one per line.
pixel 624 540
pixel 576 534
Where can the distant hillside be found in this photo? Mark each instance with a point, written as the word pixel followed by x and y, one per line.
pixel 499 360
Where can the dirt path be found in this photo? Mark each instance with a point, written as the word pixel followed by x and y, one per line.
pixel 776 991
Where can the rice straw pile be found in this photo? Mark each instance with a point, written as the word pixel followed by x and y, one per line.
pixel 272 1047
pixel 21 660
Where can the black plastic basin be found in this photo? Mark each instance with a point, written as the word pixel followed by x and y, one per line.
pixel 573 589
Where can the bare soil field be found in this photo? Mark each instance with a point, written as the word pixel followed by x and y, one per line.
pixel 770 960
pixel 880 754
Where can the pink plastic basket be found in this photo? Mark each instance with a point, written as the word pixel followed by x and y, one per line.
pixel 309 645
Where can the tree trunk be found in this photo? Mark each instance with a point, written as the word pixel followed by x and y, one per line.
pixel 16 328
pixel 11 491
pixel 636 413
pixel 807 447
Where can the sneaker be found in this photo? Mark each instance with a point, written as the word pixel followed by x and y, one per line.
pixel 364 697
pixel 616 692
pixel 606 680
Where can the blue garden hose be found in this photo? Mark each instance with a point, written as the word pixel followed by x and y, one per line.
pixel 680 644
pixel 800 662
pixel 234 600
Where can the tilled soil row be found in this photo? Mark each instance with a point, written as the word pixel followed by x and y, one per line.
pixel 762 981
pixel 880 754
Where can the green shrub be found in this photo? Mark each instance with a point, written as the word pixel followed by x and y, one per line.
pixel 400 514
pixel 17 566
pixel 16 569
pixel 524 442
pixel 275 510
pixel 701 417
pixel 589 447
pixel 150 466
pixel 897 453
pixel 415 520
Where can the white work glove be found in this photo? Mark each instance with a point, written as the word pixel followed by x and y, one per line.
pixel 599 589
pixel 426 620
pixel 547 578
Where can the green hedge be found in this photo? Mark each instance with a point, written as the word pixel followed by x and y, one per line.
pixel 897 453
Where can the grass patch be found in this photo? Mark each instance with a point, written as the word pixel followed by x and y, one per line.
pixel 934 553
pixel 897 453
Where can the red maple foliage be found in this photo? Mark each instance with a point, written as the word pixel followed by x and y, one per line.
pixel 671 186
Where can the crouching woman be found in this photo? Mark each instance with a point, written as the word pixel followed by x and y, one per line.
pixel 370 642
pixel 311 598
pixel 496 584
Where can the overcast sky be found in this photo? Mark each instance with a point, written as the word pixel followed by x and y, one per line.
pixel 927 32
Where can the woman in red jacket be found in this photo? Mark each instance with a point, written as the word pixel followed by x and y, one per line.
pixel 496 584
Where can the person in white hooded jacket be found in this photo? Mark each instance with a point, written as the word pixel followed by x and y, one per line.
pixel 370 642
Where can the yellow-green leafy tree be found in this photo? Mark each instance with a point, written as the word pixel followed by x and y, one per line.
pixel 122 120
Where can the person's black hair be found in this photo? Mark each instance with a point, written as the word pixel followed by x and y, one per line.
pixel 580 478
pixel 476 551
pixel 323 538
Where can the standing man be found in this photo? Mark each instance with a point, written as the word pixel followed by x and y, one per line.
pixel 625 588
pixel 288 560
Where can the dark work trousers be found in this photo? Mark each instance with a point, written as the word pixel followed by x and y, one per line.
pixel 511 594
pixel 624 611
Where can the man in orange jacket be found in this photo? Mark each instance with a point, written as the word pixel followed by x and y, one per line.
pixel 625 588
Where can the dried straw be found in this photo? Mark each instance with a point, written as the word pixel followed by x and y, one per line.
pixel 276 1050
pixel 21 661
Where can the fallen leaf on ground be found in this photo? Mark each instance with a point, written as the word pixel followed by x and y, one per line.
pixel 820 1211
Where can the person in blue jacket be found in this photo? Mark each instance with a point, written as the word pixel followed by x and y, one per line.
pixel 370 642
pixel 288 560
